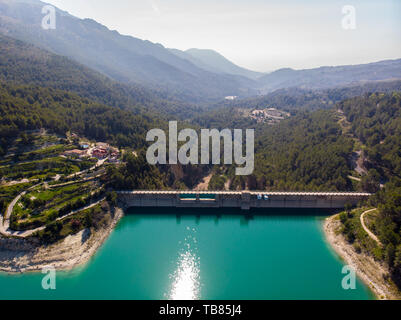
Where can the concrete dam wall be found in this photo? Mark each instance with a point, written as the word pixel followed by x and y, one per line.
pixel 240 199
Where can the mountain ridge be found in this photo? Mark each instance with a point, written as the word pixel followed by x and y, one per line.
pixel 25 64
pixel 213 61
pixel 123 58
pixel 196 76
pixel 331 76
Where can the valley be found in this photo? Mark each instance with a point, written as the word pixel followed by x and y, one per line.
pixel 77 104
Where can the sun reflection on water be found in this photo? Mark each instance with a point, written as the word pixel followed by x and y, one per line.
pixel 186 277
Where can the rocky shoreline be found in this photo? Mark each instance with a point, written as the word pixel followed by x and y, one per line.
pixel 373 273
pixel 23 255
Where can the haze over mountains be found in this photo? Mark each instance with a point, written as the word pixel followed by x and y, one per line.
pixel 194 75
pixel 122 58
pixel 22 63
pixel 329 77
pixel 213 61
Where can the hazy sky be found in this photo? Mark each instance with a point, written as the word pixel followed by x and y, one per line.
pixel 262 35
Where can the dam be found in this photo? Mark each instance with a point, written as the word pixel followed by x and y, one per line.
pixel 245 200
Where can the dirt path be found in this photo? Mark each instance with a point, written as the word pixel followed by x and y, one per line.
pixel 12 183
pixel 354 178
pixel 23 234
pixel 358 162
pixel 372 272
pixel 74 182
pixel 5 221
pixel 370 233
pixel 98 164
pixel 204 185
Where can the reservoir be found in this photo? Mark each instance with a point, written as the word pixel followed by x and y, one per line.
pixel 169 254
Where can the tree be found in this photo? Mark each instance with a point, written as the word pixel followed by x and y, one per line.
pixel 88 221
pixel 348 208
pixel 75 224
pixel 397 260
pixel 112 198
pixel 390 255
pixel 371 181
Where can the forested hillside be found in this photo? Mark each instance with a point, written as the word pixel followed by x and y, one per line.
pixel 22 63
pixel 122 58
pixel 31 107
pixel 376 121
pixel 212 61
pixel 331 77
pixel 306 152
pixel 313 151
pixel 203 78
pixel 294 99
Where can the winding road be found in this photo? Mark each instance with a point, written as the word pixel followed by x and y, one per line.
pixel 5 225
pixel 5 221
pixel 370 233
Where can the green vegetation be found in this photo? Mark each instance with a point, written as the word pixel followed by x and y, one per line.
pixel 41 205
pixel 8 193
pixel 356 235
pixel 295 99
pixel 41 153
pixel 94 218
pixel 43 169
pixel 385 224
pixel 311 151
pixel 376 122
pixel 31 108
pixel 218 181
pixel 25 64
pixel 388 227
pixel 136 173
pixel 305 152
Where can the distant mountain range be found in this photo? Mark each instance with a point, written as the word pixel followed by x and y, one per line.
pixel 24 64
pixel 329 77
pixel 123 58
pixel 195 75
pixel 213 61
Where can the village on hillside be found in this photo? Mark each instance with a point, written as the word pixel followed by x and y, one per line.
pixel 270 116
pixel 98 150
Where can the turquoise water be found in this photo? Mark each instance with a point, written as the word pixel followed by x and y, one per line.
pixel 149 256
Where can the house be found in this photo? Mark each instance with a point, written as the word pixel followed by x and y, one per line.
pixel 99 153
pixel 75 153
pixel 102 145
pixel 231 98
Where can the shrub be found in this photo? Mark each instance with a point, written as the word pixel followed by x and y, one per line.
pixel 88 221
pixel 357 248
pixel 75 224
pixel 112 198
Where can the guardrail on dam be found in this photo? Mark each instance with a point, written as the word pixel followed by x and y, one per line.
pixel 240 199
